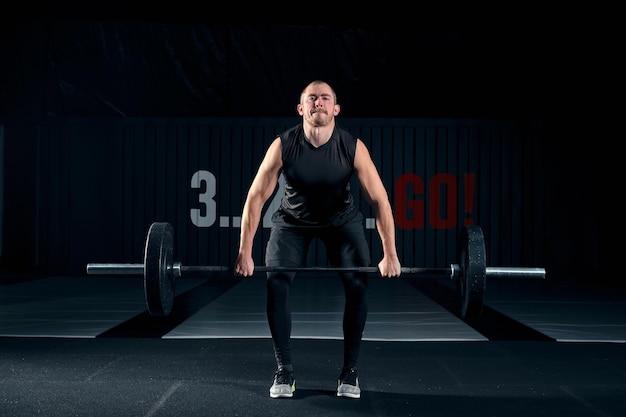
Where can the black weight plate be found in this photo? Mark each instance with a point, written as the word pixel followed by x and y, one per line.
pixel 159 280
pixel 473 262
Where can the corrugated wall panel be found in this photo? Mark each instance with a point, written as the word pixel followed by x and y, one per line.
pixel 101 183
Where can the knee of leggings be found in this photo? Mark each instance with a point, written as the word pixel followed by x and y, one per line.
pixel 354 282
pixel 279 281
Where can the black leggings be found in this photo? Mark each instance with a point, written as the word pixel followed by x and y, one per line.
pixel 346 246
pixel 279 315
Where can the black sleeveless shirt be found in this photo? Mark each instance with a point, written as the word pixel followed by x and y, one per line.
pixel 317 180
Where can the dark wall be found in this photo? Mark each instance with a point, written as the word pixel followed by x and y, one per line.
pixel 146 68
pixel 74 69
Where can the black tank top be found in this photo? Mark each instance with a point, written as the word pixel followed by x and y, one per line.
pixel 317 180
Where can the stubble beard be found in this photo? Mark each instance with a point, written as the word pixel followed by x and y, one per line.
pixel 319 118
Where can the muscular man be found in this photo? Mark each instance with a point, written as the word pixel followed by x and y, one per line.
pixel 317 159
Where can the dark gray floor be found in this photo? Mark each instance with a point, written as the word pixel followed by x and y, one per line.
pixel 399 310
pixel 84 346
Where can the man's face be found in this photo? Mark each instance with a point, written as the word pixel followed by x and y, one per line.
pixel 317 105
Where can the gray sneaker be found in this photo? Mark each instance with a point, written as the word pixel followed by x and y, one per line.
pixel 284 384
pixel 348 384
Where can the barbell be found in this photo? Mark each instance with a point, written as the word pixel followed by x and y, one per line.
pixel 160 271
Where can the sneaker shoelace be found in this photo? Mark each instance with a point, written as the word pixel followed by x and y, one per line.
pixel 283 376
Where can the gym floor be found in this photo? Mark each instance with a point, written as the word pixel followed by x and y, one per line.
pixel 86 346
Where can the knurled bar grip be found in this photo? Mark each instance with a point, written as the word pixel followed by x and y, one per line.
pixel 491 272
pixel 138 269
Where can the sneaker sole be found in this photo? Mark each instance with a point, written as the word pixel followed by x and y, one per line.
pixel 345 395
pixel 281 395
pixel 284 394
pixel 348 394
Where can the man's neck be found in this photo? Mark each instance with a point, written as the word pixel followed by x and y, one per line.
pixel 319 135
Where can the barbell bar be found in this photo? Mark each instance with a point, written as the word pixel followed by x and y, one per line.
pixel 160 271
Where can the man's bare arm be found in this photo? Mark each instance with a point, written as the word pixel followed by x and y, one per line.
pixel 261 189
pixel 376 194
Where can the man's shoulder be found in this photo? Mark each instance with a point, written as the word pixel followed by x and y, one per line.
pixel 345 134
pixel 291 132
